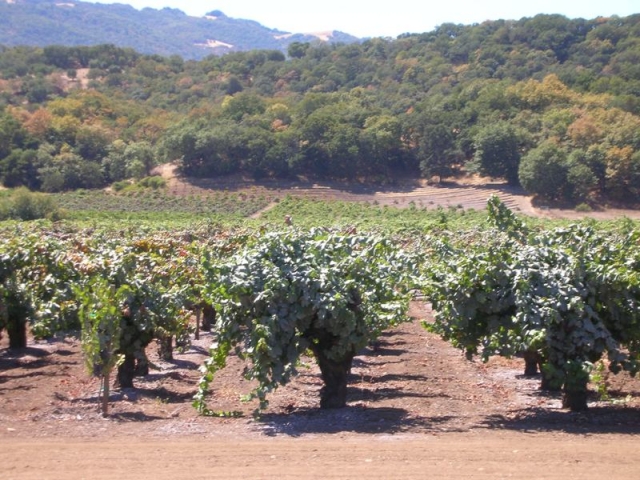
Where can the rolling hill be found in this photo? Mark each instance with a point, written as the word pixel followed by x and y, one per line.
pixel 165 32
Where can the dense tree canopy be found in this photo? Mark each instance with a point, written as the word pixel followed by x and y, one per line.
pixel 488 98
pixel 497 151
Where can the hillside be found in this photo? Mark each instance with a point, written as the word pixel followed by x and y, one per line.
pixel 165 32
pixel 547 103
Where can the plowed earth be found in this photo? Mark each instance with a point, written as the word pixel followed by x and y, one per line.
pixel 417 409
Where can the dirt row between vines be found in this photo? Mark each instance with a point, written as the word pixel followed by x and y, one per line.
pixel 416 408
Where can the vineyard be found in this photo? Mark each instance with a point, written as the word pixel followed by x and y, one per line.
pixel 273 252
pixel 566 298
pixel 280 323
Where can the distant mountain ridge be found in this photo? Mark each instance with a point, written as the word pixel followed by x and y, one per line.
pixel 167 31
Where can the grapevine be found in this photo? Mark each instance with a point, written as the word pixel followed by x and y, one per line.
pixel 291 292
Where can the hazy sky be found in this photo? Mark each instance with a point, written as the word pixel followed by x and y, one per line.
pixel 367 18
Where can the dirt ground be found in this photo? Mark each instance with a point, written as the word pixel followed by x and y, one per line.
pixel 417 409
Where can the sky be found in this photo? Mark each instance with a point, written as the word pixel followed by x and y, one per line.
pixel 367 18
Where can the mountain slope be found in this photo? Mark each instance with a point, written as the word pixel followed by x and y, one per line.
pixel 166 32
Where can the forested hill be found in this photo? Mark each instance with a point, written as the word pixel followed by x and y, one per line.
pixel 547 102
pixel 166 32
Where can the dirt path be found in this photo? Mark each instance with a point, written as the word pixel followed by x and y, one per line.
pixel 259 213
pixel 490 454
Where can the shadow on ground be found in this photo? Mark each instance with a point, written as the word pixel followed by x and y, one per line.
pixel 354 419
pixel 597 420
pixel 134 417
pixel 372 420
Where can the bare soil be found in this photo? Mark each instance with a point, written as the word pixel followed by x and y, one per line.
pixel 417 409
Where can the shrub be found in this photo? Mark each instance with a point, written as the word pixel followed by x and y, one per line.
pixel 154 182
pixel 23 204
pixel 119 186
pixel 583 207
